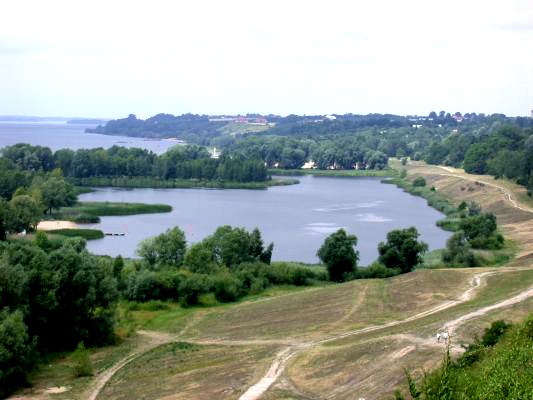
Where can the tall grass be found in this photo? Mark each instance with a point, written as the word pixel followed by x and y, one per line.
pixel 89 212
pixel 88 234
pixel 484 371
pixel 178 183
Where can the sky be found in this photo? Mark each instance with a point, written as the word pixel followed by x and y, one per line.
pixel 112 58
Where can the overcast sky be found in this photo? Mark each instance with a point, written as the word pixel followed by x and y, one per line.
pixel 111 58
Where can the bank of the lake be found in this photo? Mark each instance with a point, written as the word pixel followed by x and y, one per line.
pixel 350 173
pixel 296 218
pixel 154 183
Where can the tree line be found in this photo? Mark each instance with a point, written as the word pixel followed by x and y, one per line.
pixel 53 296
pixel 180 162
pixel 191 128
pixel 26 195
pixel 332 152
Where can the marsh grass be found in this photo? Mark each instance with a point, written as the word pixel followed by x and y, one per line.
pixel 89 212
pixel 87 234
pixel 179 183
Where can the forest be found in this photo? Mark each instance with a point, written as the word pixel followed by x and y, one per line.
pixel 483 144
pixel 180 162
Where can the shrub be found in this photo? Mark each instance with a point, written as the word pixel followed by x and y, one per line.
pixel 458 253
pixel 419 182
pixel 226 287
pixel 190 289
pixel 480 231
pixel 82 361
pixel 492 334
pixel 150 285
pixel 87 234
pixel 377 270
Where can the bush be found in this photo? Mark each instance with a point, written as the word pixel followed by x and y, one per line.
pixel 458 253
pixel 493 242
pixel 87 234
pixel 480 231
pixel 289 274
pixel 498 367
pixel 492 334
pixel 190 289
pixel 419 182
pixel 376 271
pixel 226 287
pixel 82 362
pixel 148 285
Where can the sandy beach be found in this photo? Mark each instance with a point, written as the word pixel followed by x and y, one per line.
pixel 52 225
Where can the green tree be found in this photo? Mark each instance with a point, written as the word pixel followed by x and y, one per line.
pixel 480 231
pixel 476 158
pixel 458 251
pixel 118 266
pixel 167 248
pixel 339 255
pixel 5 218
pixel 56 193
pixel 402 249
pixel 25 214
pixel 200 259
pixel 17 351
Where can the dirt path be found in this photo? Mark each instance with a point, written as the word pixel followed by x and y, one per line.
pixel 154 339
pixel 281 360
pixel 507 193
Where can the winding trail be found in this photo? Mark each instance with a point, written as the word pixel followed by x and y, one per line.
pixel 506 192
pixel 281 360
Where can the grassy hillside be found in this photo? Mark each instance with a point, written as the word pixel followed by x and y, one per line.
pixel 498 365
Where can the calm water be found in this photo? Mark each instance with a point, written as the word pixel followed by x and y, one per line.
pixel 60 135
pixel 296 218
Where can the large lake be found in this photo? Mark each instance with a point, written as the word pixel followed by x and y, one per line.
pixel 59 135
pixel 296 218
